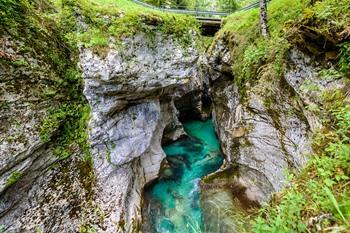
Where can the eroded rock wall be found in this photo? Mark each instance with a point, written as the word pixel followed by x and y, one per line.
pixel 132 93
pixel 267 130
pixel 37 192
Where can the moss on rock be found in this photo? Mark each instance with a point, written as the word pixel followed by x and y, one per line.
pixel 321 30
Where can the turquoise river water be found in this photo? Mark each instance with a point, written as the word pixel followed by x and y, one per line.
pixel 174 200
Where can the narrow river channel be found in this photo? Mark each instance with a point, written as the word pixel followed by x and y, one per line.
pixel 174 200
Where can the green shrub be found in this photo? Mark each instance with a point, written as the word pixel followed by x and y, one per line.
pixel 322 185
pixel 252 53
pixel 344 61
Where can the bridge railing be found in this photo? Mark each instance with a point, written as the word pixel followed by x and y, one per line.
pixel 195 12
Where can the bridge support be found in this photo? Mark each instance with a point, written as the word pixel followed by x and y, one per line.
pixel 209 26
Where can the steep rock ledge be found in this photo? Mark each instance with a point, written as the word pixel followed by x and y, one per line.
pixel 132 93
pixel 37 189
pixel 265 130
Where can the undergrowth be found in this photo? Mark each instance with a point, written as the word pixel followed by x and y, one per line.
pixel 327 19
pixel 318 199
pixel 106 23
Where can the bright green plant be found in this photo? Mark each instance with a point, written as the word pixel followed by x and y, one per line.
pixel 344 61
pixel 330 74
pixel 107 20
pixel 329 171
pixel 13 178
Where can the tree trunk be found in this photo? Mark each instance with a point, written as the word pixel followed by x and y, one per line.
pixel 263 18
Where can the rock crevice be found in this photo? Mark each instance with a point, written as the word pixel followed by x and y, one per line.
pixel 133 94
pixel 267 131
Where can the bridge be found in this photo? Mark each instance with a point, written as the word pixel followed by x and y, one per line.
pixel 210 20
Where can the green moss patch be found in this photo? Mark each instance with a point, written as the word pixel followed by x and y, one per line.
pixel 55 80
pixel 318 199
pixel 317 29
pixel 108 22
pixel 13 178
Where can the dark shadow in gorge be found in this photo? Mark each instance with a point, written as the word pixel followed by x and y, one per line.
pixel 194 105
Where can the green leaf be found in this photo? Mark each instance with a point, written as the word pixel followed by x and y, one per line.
pixel 334 202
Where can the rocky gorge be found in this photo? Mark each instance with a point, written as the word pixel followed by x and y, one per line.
pixel 133 99
pixel 263 133
pixel 133 95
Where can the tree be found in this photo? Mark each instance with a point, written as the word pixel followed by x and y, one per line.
pixel 199 4
pixel 263 18
pixel 215 5
pixel 228 5
pixel 181 4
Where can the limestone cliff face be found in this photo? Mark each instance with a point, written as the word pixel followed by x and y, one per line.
pixel 37 190
pixel 267 131
pixel 132 93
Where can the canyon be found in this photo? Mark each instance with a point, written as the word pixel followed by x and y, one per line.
pixel 139 97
